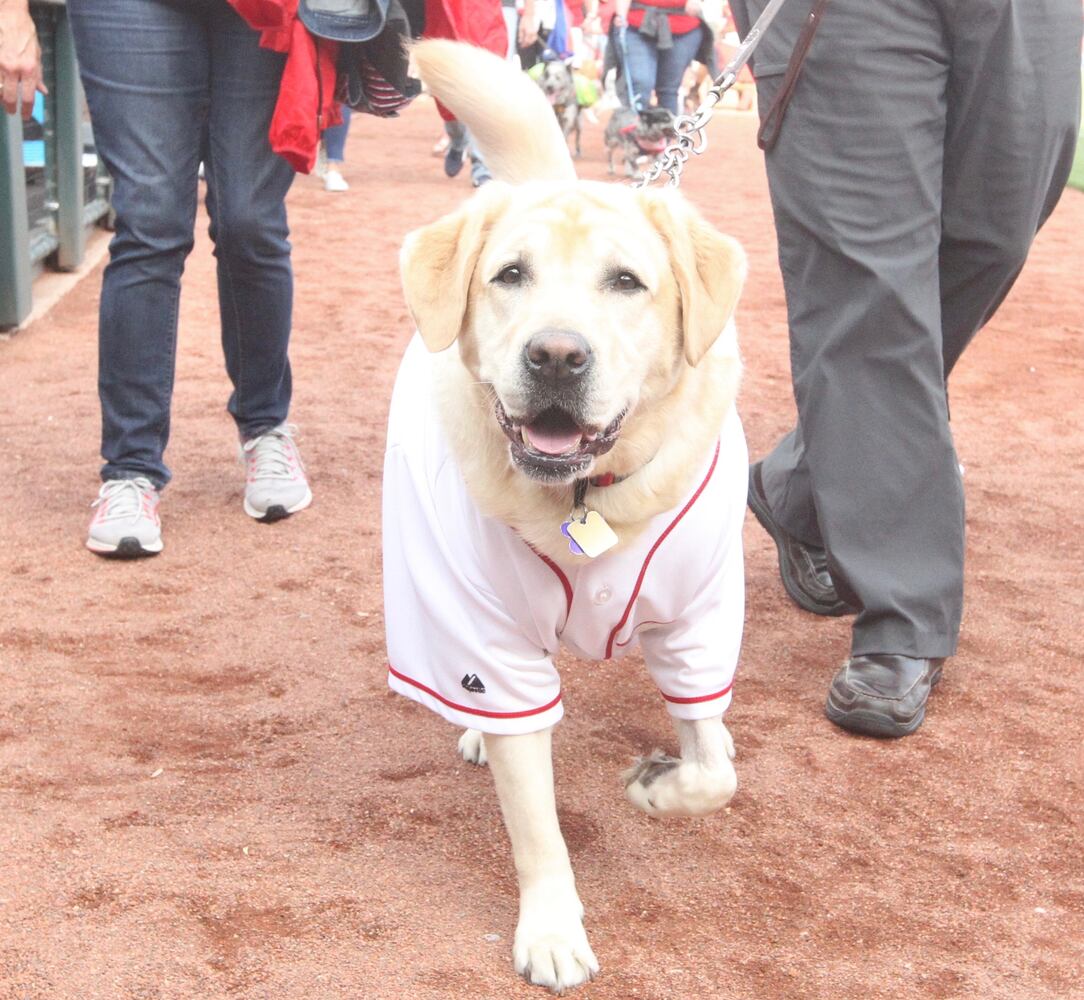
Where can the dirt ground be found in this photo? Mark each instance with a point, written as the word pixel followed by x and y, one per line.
pixel 207 790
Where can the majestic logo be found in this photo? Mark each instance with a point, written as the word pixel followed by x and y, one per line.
pixel 473 684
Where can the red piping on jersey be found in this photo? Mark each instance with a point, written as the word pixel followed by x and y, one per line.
pixel 643 569
pixel 694 701
pixel 465 708
pixel 560 576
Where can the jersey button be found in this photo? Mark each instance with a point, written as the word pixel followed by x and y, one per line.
pixel 602 595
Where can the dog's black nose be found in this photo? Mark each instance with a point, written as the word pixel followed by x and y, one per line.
pixel 557 355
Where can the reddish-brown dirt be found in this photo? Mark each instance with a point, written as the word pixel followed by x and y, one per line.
pixel 207 790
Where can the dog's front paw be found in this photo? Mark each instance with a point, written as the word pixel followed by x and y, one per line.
pixel 662 785
pixel 472 747
pixel 551 946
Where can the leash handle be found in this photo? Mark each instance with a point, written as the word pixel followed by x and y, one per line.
pixel 691 139
pixel 768 134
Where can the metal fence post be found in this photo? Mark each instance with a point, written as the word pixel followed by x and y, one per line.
pixel 14 225
pixel 71 231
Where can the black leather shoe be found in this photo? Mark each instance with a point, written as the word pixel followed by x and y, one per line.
pixel 881 694
pixel 804 568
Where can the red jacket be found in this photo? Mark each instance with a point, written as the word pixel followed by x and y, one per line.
pixel 680 22
pixel 306 103
pixel 479 22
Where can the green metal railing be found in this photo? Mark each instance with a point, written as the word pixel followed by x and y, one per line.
pixel 46 210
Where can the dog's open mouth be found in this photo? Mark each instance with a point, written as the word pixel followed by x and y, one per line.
pixel 649 145
pixel 552 445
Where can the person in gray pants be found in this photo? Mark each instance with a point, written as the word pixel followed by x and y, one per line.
pixel 924 144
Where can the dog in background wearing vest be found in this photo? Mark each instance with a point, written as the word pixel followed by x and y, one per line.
pixel 559 86
pixel 574 343
pixel 640 137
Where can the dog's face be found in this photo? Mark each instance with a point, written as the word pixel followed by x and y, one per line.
pixel 647 132
pixel 556 82
pixel 655 128
pixel 579 304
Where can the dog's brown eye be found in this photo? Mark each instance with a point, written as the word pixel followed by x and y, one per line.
pixel 626 282
pixel 510 275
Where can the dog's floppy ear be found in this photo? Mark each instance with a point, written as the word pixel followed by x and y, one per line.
pixel 708 266
pixel 437 264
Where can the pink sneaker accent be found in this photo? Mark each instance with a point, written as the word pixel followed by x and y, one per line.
pixel 126 524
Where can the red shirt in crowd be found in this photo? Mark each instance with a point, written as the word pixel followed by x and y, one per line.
pixel 680 22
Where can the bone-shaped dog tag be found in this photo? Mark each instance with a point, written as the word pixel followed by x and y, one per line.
pixel 589 536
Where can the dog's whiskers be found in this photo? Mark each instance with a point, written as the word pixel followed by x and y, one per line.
pixel 488 386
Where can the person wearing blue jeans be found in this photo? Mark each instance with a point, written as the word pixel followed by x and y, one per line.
pixel 169 86
pixel 335 149
pixel 661 38
pixel 460 148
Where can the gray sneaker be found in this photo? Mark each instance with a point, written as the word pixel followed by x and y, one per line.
pixel 275 483
pixel 125 523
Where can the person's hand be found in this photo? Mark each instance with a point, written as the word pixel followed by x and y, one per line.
pixel 693 8
pixel 592 25
pixel 20 58
pixel 527 34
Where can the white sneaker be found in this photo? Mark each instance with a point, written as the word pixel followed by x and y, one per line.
pixel 334 181
pixel 275 483
pixel 126 524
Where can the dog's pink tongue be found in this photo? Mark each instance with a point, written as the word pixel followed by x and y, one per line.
pixel 552 442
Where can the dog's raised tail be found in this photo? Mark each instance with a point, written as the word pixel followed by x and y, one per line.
pixel 509 119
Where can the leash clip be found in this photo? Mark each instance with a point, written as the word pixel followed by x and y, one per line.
pixel 692 139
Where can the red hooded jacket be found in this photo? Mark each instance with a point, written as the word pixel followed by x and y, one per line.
pixel 306 103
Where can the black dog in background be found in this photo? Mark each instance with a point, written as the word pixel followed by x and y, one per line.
pixel 639 137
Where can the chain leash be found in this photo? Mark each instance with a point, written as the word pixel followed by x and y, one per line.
pixel 691 137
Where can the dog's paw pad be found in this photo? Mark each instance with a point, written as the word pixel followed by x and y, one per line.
pixel 649 769
pixel 472 747
pixel 661 785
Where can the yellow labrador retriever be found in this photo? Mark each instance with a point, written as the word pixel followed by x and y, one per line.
pixel 564 467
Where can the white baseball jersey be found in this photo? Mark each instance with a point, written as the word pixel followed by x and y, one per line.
pixel 474 615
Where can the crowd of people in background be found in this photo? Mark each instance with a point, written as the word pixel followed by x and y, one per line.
pixel 622 53
pixel 243 103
